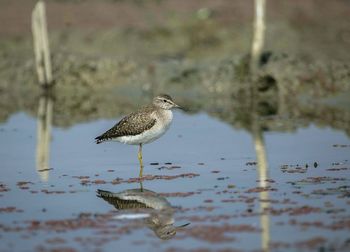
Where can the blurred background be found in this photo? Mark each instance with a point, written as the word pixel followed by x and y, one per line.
pixel 257 161
pixel 109 53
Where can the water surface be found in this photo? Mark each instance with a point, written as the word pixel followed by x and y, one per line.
pixel 300 202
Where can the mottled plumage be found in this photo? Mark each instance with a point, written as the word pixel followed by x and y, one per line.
pixel 160 219
pixel 120 201
pixel 143 126
pixel 131 125
pixel 134 198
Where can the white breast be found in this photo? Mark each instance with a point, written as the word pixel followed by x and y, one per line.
pixel 163 121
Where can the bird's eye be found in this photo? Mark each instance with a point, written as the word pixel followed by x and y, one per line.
pixel 164 100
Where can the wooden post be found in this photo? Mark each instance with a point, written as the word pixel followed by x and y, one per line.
pixel 259 33
pixel 41 44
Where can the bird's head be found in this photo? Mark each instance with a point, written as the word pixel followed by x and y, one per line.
pixel 164 101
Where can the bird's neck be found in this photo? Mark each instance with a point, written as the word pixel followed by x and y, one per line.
pixel 165 115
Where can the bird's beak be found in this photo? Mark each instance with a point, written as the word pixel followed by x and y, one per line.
pixel 177 106
pixel 184 225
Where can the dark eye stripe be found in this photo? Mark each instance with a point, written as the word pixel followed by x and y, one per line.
pixel 167 101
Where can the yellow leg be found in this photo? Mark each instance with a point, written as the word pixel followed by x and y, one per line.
pixel 140 160
pixel 141 186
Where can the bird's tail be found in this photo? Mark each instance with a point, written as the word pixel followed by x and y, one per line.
pixel 99 139
pixel 103 193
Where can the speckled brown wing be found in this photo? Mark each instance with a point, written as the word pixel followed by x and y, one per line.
pixel 131 125
pixel 119 203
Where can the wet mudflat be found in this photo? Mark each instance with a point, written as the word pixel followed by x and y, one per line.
pixel 203 168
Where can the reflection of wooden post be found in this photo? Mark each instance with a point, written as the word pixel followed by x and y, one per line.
pixel 265 221
pixel 41 44
pixel 260 154
pixel 263 176
pixel 258 35
pixel 44 136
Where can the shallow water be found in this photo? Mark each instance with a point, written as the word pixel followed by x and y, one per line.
pixel 219 191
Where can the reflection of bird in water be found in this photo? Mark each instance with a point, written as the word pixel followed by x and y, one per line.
pixel 160 220
pixel 143 126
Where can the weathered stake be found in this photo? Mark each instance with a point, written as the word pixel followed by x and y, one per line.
pixel 258 35
pixel 41 44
